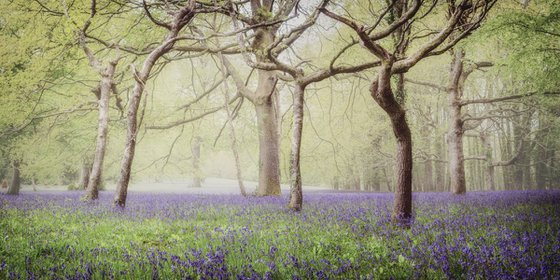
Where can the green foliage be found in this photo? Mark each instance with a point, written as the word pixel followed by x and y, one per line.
pixel 527 42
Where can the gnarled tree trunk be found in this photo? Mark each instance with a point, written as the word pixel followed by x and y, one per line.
pixel 383 95
pixel 15 185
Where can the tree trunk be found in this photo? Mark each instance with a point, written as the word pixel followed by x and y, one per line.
pixel 542 155
pixel 489 170
pixel 269 160
pixel 518 167
pixel 522 167
pixel 336 183
pixel 527 176
pixel 266 106
pixel 92 190
pixel 296 193
pixel 383 95
pixel 553 176
pixel 196 181
pixel 541 168
pixel 455 133
pixel 84 174
pixel 439 167
pixel 426 179
pixel 130 146
pixel 15 185
pixel 428 176
pixel 235 151
pixel 233 137
pixel 132 115
pixel 388 183
pixel 508 150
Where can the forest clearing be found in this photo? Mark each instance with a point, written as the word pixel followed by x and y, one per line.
pixel 262 139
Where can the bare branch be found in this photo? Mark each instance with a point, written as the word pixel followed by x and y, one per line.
pixel 373 47
pixel 505 98
pixel 192 119
pixel 208 91
pixel 327 73
pixel 428 84
pixel 398 23
pixel 492 100
pixel 241 87
pixel 405 64
pixel 155 21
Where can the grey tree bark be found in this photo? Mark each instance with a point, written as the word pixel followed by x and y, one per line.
pixel 265 100
pixel 266 107
pixel 296 193
pixel 234 149
pixel 269 155
pixel 455 132
pixel 105 87
pixel 103 93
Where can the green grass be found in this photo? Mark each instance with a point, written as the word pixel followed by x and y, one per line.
pixel 210 236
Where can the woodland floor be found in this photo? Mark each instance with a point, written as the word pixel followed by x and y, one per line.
pixel 482 235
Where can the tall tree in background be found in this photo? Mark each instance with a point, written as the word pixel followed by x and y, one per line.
pixel 464 18
pixel 539 26
pixel 457 77
pixel 533 61
pixel 299 76
pixel 265 20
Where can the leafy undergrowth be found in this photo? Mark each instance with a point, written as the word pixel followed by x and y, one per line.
pixel 496 235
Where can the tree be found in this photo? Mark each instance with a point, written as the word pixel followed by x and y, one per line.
pixel 267 59
pixel 459 72
pixel 103 91
pixel 457 77
pixel 265 20
pixel 463 19
pixel 196 181
pixel 15 184
pixel 180 19
pixel 33 62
